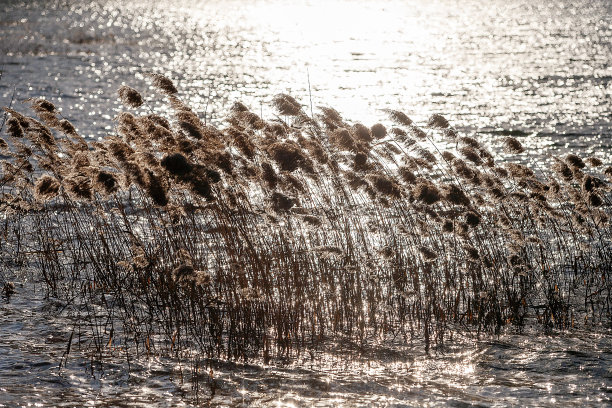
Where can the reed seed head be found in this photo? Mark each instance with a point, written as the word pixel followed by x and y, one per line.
pixel 176 164
pixel 398 117
pixel 385 185
pixel 163 84
pixel 106 182
pixel 281 202
pixel 13 128
pixel 130 97
pixel 455 195
pixel 378 131
pixel 361 133
pixel 574 161
pixel 286 105
pixel 594 161
pixel 46 187
pixel 437 121
pixel 427 192
pixel 512 145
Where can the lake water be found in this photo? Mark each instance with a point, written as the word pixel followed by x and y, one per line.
pixel 540 70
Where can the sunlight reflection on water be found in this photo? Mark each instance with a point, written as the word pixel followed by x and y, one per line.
pixel 542 69
pixel 539 69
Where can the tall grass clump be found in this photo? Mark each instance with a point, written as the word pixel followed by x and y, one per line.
pixel 266 238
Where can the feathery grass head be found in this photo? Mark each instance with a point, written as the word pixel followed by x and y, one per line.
pixel 574 161
pixel 287 155
pixel 378 131
pixel 472 252
pixel 472 219
pixel 437 121
pixel 200 184
pixel 469 141
pixel 360 161
pixel 512 145
pixel 268 175
pixel 156 189
pixel 385 185
pixel 106 182
pixel 448 226
pixel 426 192
pixel 163 84
pixel 428 254
pixel 130 97
pixel 13 127
pixel 176 164
pixel 471 154
pixel 78 187
pixel 455 195
pixel 342 139
pixel 595 200
pixel 563 170
pixel 418 132
pixel 40 105
pixel 286 105
pixel 67 127
pixel 361 133
pixel 239 107
pixel 398 117
pixel 281 202
pixel 407 175
pixel 594 161
pixel 46 187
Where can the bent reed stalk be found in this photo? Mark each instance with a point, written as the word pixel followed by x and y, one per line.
pixel 270 237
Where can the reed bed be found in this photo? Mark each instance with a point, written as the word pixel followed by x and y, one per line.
pixel 268 238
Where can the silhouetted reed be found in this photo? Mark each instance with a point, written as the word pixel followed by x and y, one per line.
pixel 284 235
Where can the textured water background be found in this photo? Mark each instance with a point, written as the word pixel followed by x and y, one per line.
pixel 540 71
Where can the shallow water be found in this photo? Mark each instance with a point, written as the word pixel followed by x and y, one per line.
pixel 509 370
pixel 540 71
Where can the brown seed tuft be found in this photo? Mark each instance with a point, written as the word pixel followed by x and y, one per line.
pixel 455 195
pixel 281 202
pixel 14 128
pixel 427 192
pixel 342 139
pixel 594 162
pixel 385 185
pixel 156 189
pixel 398 117
pixel 512 145
pixel 574 161
pixel 163 84
pixel 360 161
pixel 106 182
pixel 286 105
pixel 437 121
pixel 471 154
pixel 268 175
pixel 361 133
pixel 563 170
pixel 46 187
pixel 407 175
pixel 130 97
pixel 288 156
pixel 595 200
pixel 472 219
pixel 427 253
pixel 472 252
pixel 378 131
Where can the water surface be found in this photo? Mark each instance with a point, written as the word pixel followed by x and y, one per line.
pixel 538 70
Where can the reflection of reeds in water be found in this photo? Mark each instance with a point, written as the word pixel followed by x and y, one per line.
pixel 295 231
